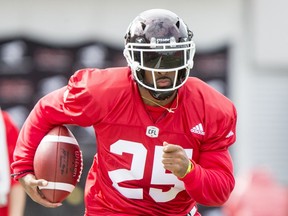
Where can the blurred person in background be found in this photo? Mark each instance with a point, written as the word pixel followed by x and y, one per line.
pixel 257 193
pixel 163 137
pixel 12 195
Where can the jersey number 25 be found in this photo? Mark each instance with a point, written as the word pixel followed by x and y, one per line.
pixel 159 176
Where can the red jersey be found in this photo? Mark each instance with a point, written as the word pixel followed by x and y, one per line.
pixel 127 176
pixel 11 137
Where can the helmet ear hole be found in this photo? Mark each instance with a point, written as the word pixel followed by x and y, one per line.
pixel 143 26
pixel 177 24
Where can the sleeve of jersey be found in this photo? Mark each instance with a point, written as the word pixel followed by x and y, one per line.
pixel 212 181
pixel 68 105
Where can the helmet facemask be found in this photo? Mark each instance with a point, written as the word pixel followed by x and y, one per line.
pixel 167 58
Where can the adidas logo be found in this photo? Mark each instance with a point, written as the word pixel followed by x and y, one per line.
pixel 198 129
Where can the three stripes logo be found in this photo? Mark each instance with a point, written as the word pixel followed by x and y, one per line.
pixel 198 129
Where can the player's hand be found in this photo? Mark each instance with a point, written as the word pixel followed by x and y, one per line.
pixel 31 184
pixel 175 159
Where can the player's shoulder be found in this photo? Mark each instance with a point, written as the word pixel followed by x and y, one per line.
pixel 93 92
pixel 94 78
pixel 95 74
pixel 195 84
pixel 197 87
pixel 201 93
pixel 100 84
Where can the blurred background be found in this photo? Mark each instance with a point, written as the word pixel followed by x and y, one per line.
pixel 242 51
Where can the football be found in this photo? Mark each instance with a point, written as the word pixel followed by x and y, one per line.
pixel 58 159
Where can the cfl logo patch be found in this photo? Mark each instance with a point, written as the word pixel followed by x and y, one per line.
pixel 152 131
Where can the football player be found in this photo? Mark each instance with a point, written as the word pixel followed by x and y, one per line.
pixel 162 136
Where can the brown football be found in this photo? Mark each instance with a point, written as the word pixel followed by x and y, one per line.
pixel 58 159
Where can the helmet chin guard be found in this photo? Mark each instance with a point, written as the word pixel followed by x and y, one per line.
pixel 159 41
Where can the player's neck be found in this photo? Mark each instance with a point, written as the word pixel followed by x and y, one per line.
pixel 151 101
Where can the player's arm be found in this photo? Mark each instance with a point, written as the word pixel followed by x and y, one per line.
pixel 47 113
pixel 68 105
pixel 212 179
pixel 64 106
pixel 208 182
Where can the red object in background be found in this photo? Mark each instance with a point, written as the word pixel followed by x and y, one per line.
pixel 257 194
